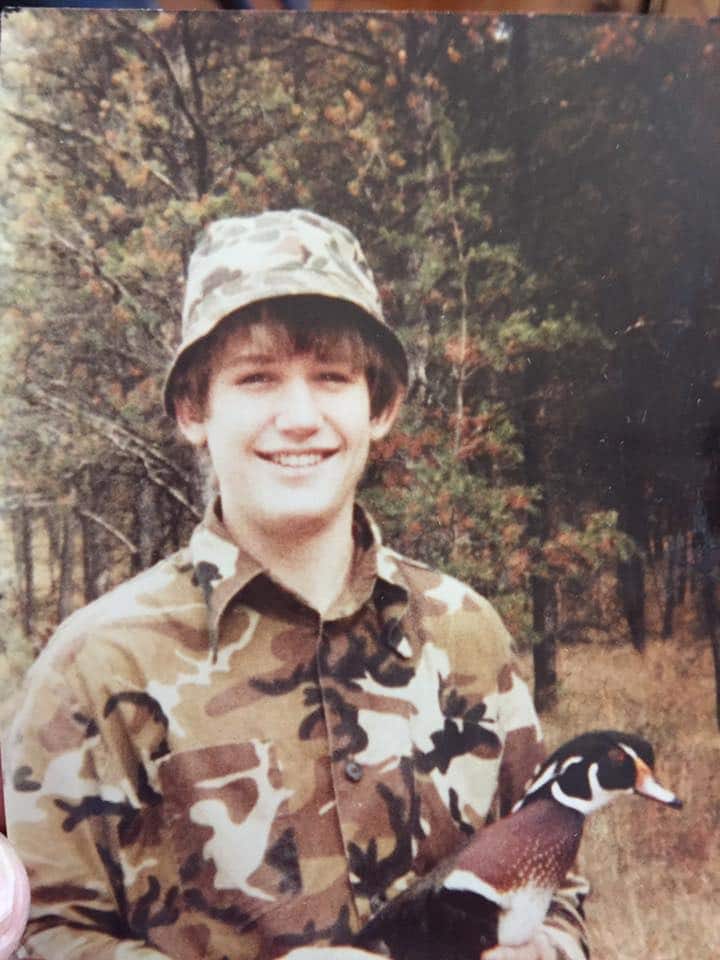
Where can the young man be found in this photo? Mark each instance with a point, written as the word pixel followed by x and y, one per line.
pixel 246 750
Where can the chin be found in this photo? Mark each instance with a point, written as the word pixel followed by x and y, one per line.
pixel 300 521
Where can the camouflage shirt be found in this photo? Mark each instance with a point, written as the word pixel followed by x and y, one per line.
pixel 173 803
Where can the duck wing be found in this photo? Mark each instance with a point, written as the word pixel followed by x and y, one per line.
pixel 428 922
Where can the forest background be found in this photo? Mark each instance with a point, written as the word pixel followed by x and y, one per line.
pixel 539 200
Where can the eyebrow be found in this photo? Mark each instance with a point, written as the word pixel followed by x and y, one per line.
pixel 237 358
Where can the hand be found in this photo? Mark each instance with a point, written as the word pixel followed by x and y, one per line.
pixel 539 948
pixel 14 899
pixel 329 953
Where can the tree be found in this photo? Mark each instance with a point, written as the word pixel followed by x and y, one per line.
pixel 528 195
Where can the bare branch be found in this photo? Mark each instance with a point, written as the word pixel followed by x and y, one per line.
pixel 61 131
pixel 166 181
pixel 102 522
pixel 30 501
pixel 199 138
pixel 117 286
pixel 336 47
pixel 159 480
pixel 43 125
pixel 124 439
pixel 189 50
pixel 119 290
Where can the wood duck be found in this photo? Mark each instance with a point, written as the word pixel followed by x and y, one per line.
pixel 497 888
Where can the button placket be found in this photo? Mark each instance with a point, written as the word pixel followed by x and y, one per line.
pixel 348 774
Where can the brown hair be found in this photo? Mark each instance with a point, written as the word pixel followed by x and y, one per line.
pixel 329 329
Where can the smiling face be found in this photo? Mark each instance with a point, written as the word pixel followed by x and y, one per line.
pixel 287 432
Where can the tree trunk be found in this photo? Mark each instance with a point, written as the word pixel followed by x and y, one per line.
pixel 631 586
pixel 631 440
pixel 529 226
pixel 710 616
pixel 670 586
pixel 88 533
pixel 657 543
pixel 149 525
pixel 24 568
pixel 172 526
pixel 93 541
pixel 54 535
pixel 66 585
pixel 715 644
pixel 682 569
pixel 545 625
pixel 632 518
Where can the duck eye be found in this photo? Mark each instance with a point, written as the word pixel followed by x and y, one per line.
pixel 616 756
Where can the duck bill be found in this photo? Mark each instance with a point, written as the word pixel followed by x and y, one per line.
pixel 647 786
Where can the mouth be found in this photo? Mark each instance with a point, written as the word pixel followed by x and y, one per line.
pixel 295 459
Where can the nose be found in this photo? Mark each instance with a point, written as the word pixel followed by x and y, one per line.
pixel 298 412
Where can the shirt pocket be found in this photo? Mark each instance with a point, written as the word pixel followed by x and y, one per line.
pixel 228 824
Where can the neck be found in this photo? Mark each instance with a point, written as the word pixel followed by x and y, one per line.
pixel 313 560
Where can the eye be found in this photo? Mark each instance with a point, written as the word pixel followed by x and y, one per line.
pixel 257 376
pixel 616 756
pixel 335 376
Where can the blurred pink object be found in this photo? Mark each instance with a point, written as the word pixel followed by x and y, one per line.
pixel 14 899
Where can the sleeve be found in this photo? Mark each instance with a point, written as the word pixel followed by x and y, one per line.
pixel 565 921
pixel 64 817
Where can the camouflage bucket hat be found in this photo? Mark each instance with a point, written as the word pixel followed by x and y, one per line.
pixel 242 260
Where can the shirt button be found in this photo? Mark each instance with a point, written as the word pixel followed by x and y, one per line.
pixel 353 771
pixel 377 900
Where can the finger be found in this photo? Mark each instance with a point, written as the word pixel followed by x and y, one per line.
pixel 329 953
pixel 14 899
pixel 546 947
pixel 526 952
pixel 539 948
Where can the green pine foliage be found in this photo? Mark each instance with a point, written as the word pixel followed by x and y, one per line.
pixel 513 241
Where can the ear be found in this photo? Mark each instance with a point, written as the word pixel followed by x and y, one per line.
pixel 381 424
pixel 189 422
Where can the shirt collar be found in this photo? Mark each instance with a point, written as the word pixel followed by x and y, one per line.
pixel 222 569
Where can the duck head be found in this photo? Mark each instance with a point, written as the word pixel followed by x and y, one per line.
pixel 591 770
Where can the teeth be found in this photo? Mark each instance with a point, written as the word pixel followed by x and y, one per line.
pixel 296 459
